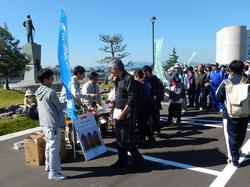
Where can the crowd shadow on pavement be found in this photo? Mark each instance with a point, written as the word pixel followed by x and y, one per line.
pixel 107 171
pixel 199 158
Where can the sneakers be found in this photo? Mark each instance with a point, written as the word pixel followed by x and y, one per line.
pixel 233 163
pixel 57 176
pixel 47 168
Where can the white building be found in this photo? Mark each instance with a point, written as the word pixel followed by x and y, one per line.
pixel 232 44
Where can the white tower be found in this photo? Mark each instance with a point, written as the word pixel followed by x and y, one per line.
pixel 231 44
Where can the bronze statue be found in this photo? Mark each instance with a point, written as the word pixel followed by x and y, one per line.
pixel 29 28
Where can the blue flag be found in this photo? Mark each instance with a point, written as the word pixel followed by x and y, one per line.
pixel 63 60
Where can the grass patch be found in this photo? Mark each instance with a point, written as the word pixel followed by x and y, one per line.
pixel 10 97
pixel 16 124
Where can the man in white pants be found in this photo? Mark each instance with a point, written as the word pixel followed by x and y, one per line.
pixel 51 118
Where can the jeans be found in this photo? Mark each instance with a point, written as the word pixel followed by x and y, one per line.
pixel 52 149
pixel 199 97
pixel 124 138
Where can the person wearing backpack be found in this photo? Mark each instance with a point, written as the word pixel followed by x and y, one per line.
pixel 236 111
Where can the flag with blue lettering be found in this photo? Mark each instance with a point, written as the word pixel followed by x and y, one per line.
pixel 63 60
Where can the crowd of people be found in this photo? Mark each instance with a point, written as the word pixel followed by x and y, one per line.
pixel 137 103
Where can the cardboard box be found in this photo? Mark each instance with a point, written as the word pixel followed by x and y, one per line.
pixel 37 135
pixel 34 151
pixel 34 147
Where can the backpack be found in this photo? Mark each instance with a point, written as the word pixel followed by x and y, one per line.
pixel 237 98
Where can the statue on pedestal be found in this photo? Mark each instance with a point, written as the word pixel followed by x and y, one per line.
pixel 29 29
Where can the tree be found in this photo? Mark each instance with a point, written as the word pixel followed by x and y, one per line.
pixel 113 47
pixel 12 60
pixel 173 59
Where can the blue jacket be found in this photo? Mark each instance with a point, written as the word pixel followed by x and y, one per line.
pixel 216 78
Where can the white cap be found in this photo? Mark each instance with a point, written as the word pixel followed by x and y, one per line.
pixel 177 65
pixel 28 93
pixel 171 68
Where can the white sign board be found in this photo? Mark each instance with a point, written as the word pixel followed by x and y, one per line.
pixel 89 135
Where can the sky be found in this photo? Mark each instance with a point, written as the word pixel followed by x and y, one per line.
pixel 187 25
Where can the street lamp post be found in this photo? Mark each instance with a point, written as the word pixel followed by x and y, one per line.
pixel 153 19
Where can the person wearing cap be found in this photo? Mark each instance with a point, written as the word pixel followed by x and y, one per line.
pixel 91 90
pixel 179 72
pixel 124 114
pixel 176 96
pixel 169 73
pixel 216 77
pixel 30 105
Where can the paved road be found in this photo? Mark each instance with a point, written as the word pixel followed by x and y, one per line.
pixel 188 155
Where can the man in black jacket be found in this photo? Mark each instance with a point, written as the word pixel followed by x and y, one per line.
pixel 155 85
pixel 145 107
pixel 124 114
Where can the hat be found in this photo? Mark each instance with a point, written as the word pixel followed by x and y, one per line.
pixel 28 93
pixel 116 63
pixel 177 65
pixel 171 68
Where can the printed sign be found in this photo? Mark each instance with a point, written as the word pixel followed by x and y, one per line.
pixel 89 135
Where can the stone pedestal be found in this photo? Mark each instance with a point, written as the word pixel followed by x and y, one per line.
pixel 33 51
pixel 30 81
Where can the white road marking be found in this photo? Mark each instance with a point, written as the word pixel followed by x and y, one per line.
pixel 206 125
pixel 203 120
pixel 20 133
pixel 229 170
pixel 176 164
pixel 199 124
pixel 198 119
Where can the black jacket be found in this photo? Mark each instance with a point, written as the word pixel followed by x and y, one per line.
pixel 125 91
